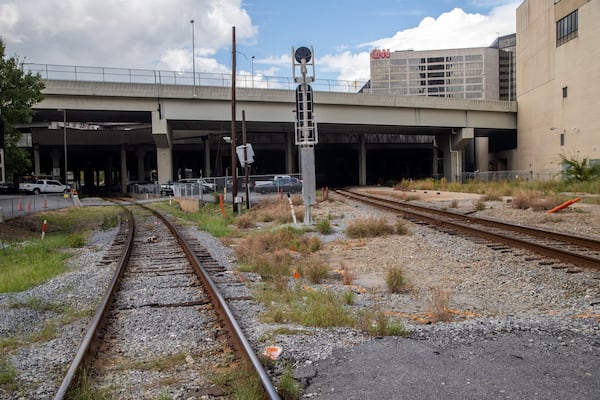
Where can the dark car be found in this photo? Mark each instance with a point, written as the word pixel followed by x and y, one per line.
pixel 288 185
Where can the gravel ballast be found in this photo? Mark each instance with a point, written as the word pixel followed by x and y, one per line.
pixel 511 315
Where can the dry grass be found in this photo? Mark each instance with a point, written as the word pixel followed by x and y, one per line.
pixel 278 210
pixel 314 269
pixel 526 199
pixel 369 227
pixel 347 275
pixel 439 304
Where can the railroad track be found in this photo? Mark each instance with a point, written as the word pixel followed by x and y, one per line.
pixel 575 250
pixel 163 322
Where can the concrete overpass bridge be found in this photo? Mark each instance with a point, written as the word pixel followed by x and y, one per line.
pixel 156 131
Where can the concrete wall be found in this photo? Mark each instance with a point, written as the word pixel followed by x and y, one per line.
pixel 544 70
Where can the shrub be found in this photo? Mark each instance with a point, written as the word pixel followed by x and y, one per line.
pixel 480 205
pixel 245 221
pixel 314 270
pixel 368 227
pixel 395 279
pixel 324 227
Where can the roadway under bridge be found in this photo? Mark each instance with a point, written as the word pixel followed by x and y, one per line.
pixel 118 133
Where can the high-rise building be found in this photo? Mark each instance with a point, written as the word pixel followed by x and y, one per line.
pixel 469 73
pixel 507 47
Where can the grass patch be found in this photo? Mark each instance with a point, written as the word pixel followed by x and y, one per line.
pixel 309 308
pixel 209 218
pixel 314 269
pixel 376 323
pixel 288 387
pixel 84 388
pixel 278 210
pixel 240 383
pixel 8 375
pixel 24 265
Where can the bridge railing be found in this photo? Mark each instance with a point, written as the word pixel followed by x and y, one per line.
pixel 128 75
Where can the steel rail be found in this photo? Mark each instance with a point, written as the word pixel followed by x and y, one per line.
pixel 99 319
pixel 431 216
pixel 241 344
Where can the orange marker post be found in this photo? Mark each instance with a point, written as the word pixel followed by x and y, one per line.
pixel 222 205
pixel 44 229
pixel 564 205
pixel 45 202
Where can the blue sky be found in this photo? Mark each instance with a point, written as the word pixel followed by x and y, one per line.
pixel 157 34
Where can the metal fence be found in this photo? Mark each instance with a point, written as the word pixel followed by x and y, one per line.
pixel 159 77
pixel 492 176
pixel 19 205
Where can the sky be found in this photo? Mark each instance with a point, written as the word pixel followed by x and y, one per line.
pixel 158 34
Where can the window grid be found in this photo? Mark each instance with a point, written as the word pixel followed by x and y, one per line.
pixel 567 28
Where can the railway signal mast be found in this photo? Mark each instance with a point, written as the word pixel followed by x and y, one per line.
pixel 306 126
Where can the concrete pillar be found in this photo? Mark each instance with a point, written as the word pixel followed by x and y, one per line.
pixel 123 170
pixel 55 155
pixel 207 171
pixel 163 138
pixel 362 160
pixel 141 173
pixel 482 155
pixel 36 159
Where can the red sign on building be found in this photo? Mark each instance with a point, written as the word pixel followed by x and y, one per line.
pixel 380 53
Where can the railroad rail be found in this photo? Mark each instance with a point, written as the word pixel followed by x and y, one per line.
pixel 198 260
pixel 576 250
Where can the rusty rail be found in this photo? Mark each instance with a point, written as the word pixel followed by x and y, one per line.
pixel 466 224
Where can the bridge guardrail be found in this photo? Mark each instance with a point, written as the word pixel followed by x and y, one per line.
pixel 161 77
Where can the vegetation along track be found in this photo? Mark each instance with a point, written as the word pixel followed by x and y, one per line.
pixel 580 251
pixel 162 324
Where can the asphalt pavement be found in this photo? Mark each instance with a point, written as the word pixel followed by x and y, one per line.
pixel 520 365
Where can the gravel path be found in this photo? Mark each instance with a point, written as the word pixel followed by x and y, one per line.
pixel 497 297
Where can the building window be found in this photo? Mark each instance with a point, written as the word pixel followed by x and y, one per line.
pixel 565 91
pixel 562 139
pixel 566 28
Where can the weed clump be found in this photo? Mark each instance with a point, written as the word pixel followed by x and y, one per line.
pixel 396 280
pixel 439 305
pixel 376 323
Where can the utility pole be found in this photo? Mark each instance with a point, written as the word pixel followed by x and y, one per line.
pixel 233 124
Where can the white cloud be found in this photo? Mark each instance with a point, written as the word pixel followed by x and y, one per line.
pixel 132 33
pixel 453 29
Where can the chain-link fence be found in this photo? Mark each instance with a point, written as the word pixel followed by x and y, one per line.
pixel 19 205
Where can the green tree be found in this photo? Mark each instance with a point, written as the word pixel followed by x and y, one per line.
pixel 579 170
pixel 19 91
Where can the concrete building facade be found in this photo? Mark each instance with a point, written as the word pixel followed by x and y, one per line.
pixel 558 92
pixel 469 73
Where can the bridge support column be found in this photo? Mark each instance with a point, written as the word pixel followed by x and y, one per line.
pixel 362 160
pixel 36 159
pixel 207 171
pixel 163 138
pixel 55 155
pixel 453 164
pixel 482 156
pixel 123 170
pixel 141 173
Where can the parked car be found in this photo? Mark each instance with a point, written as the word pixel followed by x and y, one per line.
pixel 44 186
pixel 288 185
pixel 207 187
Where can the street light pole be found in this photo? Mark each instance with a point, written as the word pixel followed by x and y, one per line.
pixel 65 142
pixel 253 71
pixel 193 58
